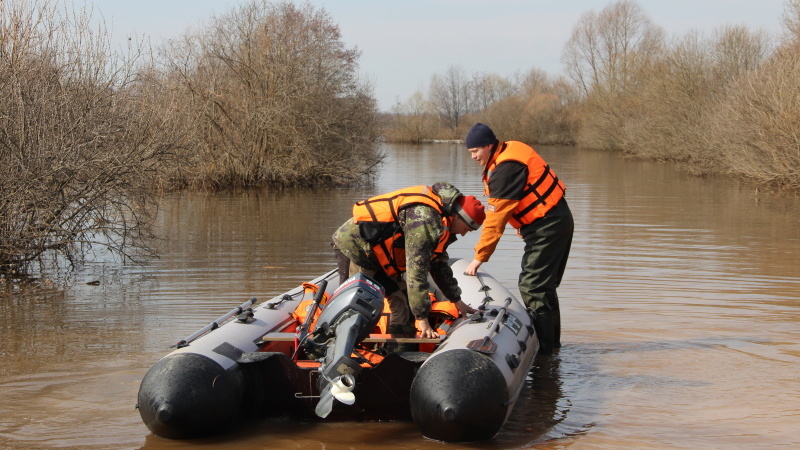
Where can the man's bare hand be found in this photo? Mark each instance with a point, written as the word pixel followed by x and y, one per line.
pixel 472 268
pixel 425 330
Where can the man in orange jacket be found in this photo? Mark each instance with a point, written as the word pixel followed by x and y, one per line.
pixel 524 191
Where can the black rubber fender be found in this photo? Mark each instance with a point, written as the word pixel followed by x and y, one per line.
pixel 459 396
pixel 187 395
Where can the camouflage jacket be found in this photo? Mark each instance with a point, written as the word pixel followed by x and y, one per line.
pixel 422 227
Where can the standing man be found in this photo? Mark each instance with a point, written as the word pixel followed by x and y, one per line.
pixel 526 193
pixel 407 232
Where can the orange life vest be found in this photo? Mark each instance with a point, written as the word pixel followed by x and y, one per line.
pixel 543 189
pixel 379 224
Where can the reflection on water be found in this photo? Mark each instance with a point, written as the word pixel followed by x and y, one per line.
pixel 680 306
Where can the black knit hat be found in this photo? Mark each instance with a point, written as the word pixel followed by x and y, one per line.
pixel 480 135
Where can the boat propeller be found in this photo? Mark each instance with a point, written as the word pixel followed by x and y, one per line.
pixel 342 389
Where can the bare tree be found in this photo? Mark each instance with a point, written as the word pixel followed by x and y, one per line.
pixel 533 81
pixel 609 56
pixel 677 105
pixel 530 106
pixel 791 20
pixel 737 51
pixel 450 96
pixel 667 121
pixel 607 50
pixel 486 89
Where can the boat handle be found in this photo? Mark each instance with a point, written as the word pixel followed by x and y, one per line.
pixel 501 314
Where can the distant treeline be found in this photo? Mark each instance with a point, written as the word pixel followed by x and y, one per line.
pixel 728 103
pixel 264 96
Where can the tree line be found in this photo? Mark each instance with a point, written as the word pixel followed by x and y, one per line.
pixel 268 95
pixel 725 103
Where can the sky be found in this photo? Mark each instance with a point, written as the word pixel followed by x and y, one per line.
pixel 403 43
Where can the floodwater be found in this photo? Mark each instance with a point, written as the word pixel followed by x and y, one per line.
pixel 680 304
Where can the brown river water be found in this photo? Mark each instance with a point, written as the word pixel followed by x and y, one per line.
pixel 680 306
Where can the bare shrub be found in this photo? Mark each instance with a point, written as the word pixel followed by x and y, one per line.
pixel 77 151
pixel 413 121
pixel 540 110
pixel 678 99
pixel 669 119
pixel 271 97
pixel 758 124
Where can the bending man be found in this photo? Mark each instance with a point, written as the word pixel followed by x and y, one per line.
pixel 407 232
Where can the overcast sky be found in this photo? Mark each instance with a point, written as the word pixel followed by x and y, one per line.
pixel 405 42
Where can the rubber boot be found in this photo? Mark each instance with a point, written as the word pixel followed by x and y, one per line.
pixel 547 324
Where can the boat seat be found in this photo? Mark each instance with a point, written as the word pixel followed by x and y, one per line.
pixel 372 339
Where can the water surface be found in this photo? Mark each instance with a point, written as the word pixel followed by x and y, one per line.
pixel 680 303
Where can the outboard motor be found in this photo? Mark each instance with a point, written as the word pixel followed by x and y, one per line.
pixel 348 318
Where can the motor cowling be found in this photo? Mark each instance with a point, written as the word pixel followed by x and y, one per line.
pixel 358 295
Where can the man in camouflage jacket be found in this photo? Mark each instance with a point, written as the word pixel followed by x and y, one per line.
pixel 422 228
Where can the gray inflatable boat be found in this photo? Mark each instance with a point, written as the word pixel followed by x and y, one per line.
pixel 320 352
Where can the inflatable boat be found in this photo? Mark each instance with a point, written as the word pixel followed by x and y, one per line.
pixel 320 352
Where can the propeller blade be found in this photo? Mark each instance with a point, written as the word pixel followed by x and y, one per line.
pixel 325 404
pixel 342 389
